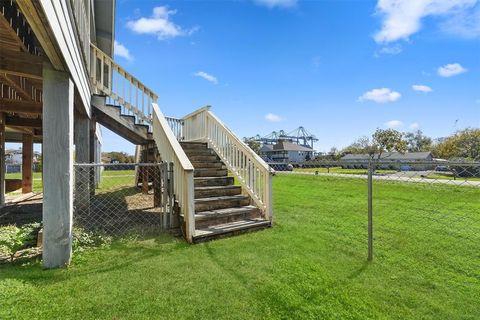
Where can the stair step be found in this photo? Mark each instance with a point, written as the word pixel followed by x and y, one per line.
pixel 209 172
pixel 208 165
pixel 203 158
pixel 193 145
pixel 227 215
pixel 214 203
pixel 212 181
pixel 217 191
pixel 232 228
pixel 199 152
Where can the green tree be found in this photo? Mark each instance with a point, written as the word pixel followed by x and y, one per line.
pixel 360 146
pixel 463 144
pixel 121 157
pixel 382 141
pixel 254 145
pixel 389 140
pixel 418 142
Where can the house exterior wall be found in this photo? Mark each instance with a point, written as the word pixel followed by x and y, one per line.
pixel 287 156
pixel 63 29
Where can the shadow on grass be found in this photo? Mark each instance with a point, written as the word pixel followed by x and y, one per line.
pixel 119 255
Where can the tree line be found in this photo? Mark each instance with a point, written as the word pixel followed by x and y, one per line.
pixel 117 157
pixel 463 144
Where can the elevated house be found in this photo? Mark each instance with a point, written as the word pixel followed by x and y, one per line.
pixel 59 82
pixel 406 161
pixel 285 151
pixel 15 156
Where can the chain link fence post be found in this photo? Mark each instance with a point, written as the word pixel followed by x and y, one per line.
pixel 371 168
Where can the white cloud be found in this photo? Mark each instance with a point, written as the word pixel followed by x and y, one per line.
pixel 402 18
pixel 271 117
pixel 277 3
pixel 394 124
pixel 206 76
pixel 450 70
pixel 121 51
pixel 381 95
pixel 160 24
pixel 465 24
pixel 392 50
pixel 421 88
pixel 414 126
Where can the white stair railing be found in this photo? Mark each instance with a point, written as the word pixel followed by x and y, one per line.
pixel 120 87
pixel 171 151
pixel 252 172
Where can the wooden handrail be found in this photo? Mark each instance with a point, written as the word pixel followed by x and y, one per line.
pixel 170 150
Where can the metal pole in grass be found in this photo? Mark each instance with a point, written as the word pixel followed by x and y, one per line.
pixel 370 209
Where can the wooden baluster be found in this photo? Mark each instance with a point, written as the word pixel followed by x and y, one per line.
pixel 136 98
pixel 101 72
pixel 123 87
pixel 143 99
pixel 117 87
pixel 130 94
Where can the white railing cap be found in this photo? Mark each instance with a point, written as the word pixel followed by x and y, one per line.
pixel 172 140
pixel 202 109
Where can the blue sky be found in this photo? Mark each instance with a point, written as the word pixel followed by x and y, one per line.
pixel 341 69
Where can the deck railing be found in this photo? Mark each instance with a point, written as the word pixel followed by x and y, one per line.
pixel 177 127
pixel 251 171
pixel 121 88
pixel 170 150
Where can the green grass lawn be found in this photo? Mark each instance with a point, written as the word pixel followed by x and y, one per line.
pixel 310 265
pixel 37 181
pixel 340 170
pixel 449 177
pixel 116 173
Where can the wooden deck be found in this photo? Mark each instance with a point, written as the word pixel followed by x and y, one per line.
pixel 20 210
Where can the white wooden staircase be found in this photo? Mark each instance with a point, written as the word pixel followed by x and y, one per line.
pixel 220 206
pixel 221 186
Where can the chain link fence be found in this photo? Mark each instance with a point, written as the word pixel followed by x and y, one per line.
pixel 120 199
pixel 433 206
pixel 430 172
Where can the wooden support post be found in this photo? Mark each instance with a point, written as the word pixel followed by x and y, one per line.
pixel 27 162
pixel 82 139
pixel 2 159
pixel 93 156
pixel 57 167
pixel 144 171
pixel 82 155
pixel 157 186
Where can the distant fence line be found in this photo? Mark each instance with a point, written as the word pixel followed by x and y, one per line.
pixel 16 168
